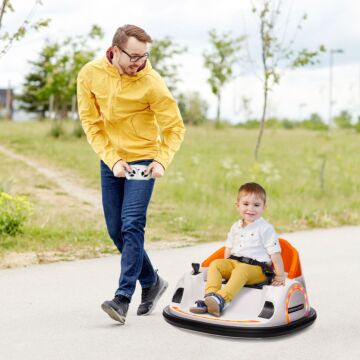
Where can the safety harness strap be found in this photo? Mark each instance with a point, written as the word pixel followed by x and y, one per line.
pixel 266 269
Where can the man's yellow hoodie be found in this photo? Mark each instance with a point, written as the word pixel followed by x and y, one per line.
pixel 128 117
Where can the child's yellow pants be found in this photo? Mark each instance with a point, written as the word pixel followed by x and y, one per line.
pixel 237 273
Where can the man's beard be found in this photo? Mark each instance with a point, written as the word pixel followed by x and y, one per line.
pixel 128 70
pixel 132 70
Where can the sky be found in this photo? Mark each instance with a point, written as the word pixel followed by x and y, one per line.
pixel 333 23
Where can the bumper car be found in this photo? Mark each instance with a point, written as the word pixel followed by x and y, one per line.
pixel 258 311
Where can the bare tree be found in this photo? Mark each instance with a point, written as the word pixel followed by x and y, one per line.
pixel 276 52
pixel 6 38
pixel 220 62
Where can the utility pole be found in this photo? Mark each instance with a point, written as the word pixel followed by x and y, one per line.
pixel 358 100
pixel 331 63
pixel 9 102
pixel 301 107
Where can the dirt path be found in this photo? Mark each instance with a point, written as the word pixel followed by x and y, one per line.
pixel 88 201
pixel 88 195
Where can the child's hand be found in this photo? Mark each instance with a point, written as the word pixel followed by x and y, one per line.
pixel 278 280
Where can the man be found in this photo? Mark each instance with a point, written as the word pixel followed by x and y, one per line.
pixel 122 105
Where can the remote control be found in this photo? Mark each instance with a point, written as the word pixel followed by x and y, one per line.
pixel 138 173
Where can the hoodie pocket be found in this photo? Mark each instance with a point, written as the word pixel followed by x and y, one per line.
pixel 145 127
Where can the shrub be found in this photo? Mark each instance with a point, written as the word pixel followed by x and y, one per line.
pixel 78 131
pixel 193 108
pixel 57 129
pixel 250 124
pixel 288 124
pixel 343 120
pixel 357 125
pixel 315 122
pixel 273 123
pixel 14 210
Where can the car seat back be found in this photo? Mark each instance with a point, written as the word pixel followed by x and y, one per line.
pixel 289 255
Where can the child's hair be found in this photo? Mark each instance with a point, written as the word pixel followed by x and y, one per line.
pixel 252 188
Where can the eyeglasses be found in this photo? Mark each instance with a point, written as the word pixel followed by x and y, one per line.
pixel 135 58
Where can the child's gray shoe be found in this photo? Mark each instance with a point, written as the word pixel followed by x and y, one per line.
pixel 199 308
pixel 215 304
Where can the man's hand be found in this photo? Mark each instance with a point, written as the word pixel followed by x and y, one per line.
pixel 120 168
pixel 156 169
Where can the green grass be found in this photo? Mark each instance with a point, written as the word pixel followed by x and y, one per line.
pixel 68 152
pixel 57 221
pixel 203 181
pixel 196 197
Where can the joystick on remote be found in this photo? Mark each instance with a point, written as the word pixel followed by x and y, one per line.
pixel 138 173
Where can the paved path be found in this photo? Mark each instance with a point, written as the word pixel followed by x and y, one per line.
pixel 53 311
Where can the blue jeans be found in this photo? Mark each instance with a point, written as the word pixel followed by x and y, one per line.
pixel 125 203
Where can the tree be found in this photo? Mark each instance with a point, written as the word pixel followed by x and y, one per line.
pixel 343 120
pixel 193 108
pixel 6 38
pixel 220 62
pixel 276 52
pixel 357 125
pixel 54 74
pixel 73 54
pixel 162 54
pixel 315 122
pixel 34 98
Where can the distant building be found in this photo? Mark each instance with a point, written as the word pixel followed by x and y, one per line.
pixel 6 103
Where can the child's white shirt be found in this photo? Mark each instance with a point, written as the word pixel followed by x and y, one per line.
pixel 257 240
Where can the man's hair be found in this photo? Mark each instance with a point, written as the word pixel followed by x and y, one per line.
pixel 252 188
pixel 124 32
